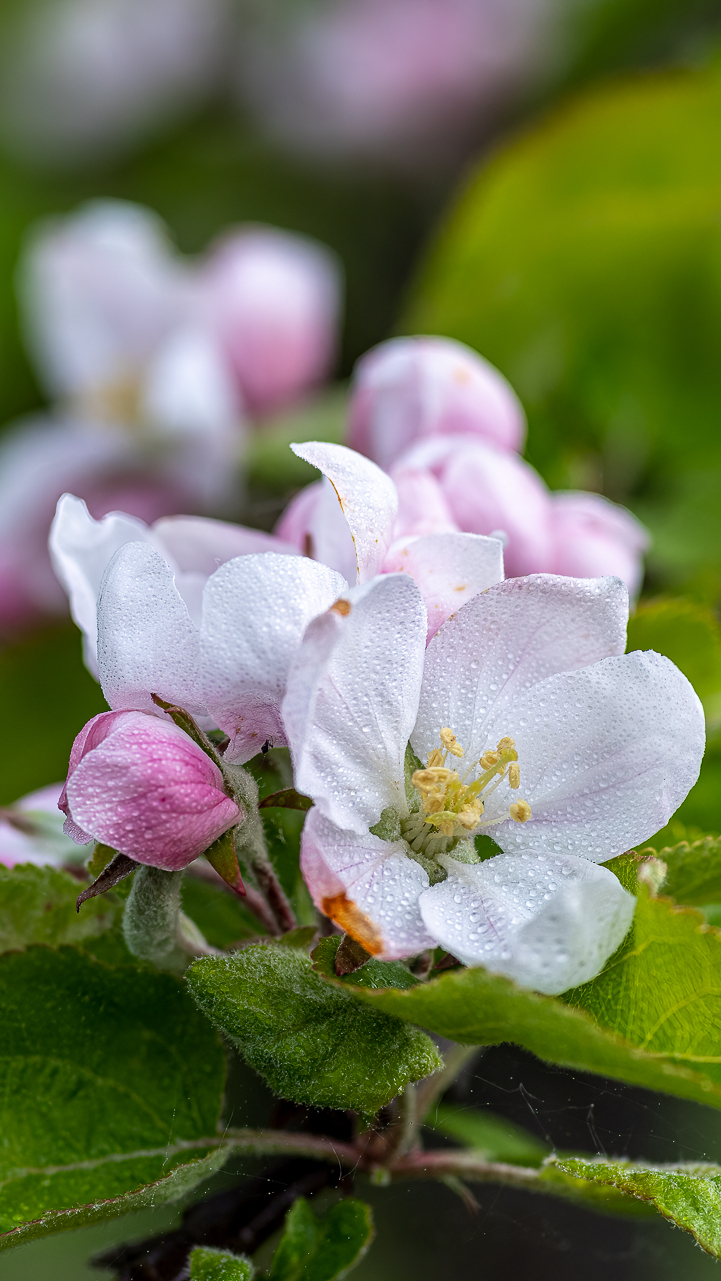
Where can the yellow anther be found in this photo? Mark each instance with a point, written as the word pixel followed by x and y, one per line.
pixel 435 758
pixel 424 780
pixel 506 744
pixel 488 759
pixel 514 775
pixel 470 815
pixel 450 742
pixel 520 811
pixel 435 803
pixel 445 824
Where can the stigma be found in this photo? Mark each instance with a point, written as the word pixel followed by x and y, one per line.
pixel 450 806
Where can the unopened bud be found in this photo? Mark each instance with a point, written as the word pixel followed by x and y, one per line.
pixel 520 811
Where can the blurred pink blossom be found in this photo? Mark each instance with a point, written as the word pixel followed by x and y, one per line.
pixel 143 787
pixel 408 389
pixel 144 352
pixel 31 831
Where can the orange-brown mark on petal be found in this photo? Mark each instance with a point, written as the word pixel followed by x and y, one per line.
pixel 342 607
pixel 461 374
pixel 463 587
pixel 344 912
pixel 308 546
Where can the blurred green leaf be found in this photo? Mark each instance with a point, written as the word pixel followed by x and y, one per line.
pixel 313 1249
pixel 269 460
pixel 652 1017
pixel 585 261
pixel 492 1136
pixel 313 1043
pixel 46 696
pixel 209 1264
pixel 112 1084
pixel 688 634
pixel 37 905
pixel 687 1194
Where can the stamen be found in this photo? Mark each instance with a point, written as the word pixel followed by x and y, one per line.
pixel 488 759
pixel 514 775
pixel 450 742
pixel 520 811
pixel 436 758
pixel 506 744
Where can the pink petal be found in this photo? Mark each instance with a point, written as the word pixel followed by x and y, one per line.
pixel 594 537
pixel 367 497
pixel 410 388
pixel 148 791
pixel 450 569
pixel 422 505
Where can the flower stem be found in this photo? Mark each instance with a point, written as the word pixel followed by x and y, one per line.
pixel 154 928
pixel 252 850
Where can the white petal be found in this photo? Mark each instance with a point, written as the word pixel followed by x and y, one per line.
pixel 367 496
pixel 255 611
pixel 369 886
pixel 352 699
pixel 504 641
pixel 188 388
pixel 450 569
pixel 99 288
pixel 81 549
pixel 549 923
pixel 147 643
pixel 606 755
pixel 199 545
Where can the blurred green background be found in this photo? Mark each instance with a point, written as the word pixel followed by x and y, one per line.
pixel 576 243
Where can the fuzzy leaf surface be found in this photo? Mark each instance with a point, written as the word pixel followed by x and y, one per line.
pixel 209 1264
pixel 313 1249
pixel 652 1017
pixel 111 1090
pixel 37 905
pixel 314 1043
pixel 693 873
pixel 689 1195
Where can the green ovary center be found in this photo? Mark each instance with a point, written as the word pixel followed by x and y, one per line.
pixel 450 807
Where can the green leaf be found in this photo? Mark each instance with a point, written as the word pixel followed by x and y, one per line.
pixel 42 683
pixel 693 874
pixel 689 1195
pixel 583 260
pixel 313 1043
pixel 313 1249
pixel 373 973
pixel 269 460
pixel 688 634
pixel 111 1089
pixel 208 1264
pixel 491 1136
pixel 652 1017
pixel 37 905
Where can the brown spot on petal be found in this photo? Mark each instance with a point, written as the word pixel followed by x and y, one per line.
pixel 360 927
pixel 342 607
pixel 462 588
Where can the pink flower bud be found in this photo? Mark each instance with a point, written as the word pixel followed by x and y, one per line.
pixel 410 388
pixel 141 786
pixel 274 299
pixel 493 491
pixel 594 537
pixel 422 505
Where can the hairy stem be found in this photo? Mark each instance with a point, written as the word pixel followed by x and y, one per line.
pixel 154 928
pixel 251 848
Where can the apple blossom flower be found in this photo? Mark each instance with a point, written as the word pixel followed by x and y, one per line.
pixel 410 388
pixel 526 721
pixel 493 491
pixel 359 522
pixel 31 831
pixel 405 80
pixel 143 353
pixel 193 610
pixel 274 301
pixel 143 787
